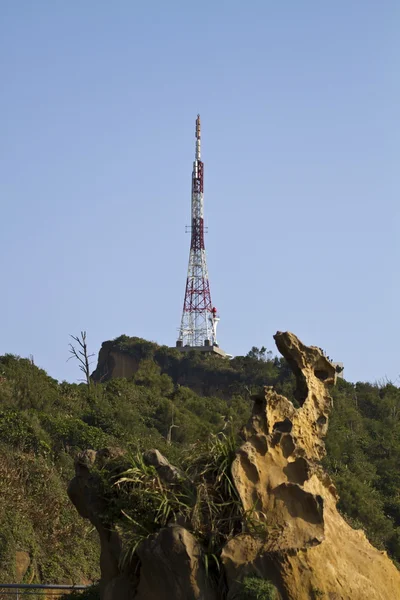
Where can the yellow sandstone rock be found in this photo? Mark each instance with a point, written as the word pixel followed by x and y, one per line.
pixel 308 550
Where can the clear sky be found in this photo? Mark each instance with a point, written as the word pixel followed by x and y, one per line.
pixel 299 104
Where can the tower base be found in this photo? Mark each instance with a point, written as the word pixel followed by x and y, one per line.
pixel 206 349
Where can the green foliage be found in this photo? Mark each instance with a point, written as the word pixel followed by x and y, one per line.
pixel 204 497
pixel 16 431
pixel 259 353
pixel 36 516
pixel 67 432
pixel 217 513
pixel 363 454
pixel 25 385
pixel 255 588
pixel 151 504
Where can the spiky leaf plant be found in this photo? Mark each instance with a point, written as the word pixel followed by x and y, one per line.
pixel 255 588
pixel 205 499
pixel 218 513
pixel 151 504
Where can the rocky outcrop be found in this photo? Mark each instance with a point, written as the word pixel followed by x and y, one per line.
pixel 167 565
pixel 307 549
pixel 171 566
pixel 292 533
pixel 165 470
pixel 85 494
pixel 112 363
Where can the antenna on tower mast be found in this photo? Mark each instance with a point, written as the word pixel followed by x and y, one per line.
pixel 198 329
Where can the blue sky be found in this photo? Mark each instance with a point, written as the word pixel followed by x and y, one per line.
pixel 300 120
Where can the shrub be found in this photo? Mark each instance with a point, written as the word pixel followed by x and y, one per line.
pixel 255 588
pixel 205 497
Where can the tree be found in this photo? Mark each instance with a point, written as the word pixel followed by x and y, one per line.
pixel 81 355
pixel 258 353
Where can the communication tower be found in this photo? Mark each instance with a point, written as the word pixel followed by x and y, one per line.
pixel 198 330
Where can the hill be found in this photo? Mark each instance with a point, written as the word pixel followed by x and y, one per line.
pixel 44 424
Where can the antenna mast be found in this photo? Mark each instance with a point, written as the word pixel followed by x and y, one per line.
pixel 199 317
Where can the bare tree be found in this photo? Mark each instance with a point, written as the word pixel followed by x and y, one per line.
pixel 81 354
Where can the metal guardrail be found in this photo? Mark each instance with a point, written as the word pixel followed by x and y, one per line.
pixel 22 590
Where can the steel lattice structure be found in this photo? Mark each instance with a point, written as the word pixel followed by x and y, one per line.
pixel 199 317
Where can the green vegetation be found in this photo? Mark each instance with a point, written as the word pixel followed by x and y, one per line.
pixel 363 447
pixel 255 588
pixel 44 424
pixel 204 497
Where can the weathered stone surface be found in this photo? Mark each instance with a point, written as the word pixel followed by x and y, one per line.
pixel 171 566
pixel 113 363
pixel 167 472
pixel 308 550
pixel 119 588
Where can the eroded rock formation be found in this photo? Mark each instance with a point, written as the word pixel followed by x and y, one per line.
pixel 308 549
pixel 292 535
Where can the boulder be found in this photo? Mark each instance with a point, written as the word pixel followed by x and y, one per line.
pixel 167 472
pixel 172 566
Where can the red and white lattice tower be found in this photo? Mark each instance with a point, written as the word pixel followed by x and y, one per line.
pixel 199 317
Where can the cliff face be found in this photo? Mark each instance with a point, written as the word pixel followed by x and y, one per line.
pixel 112 364
pixel 292 533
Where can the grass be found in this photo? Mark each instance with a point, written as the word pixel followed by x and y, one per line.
pixel 205 499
